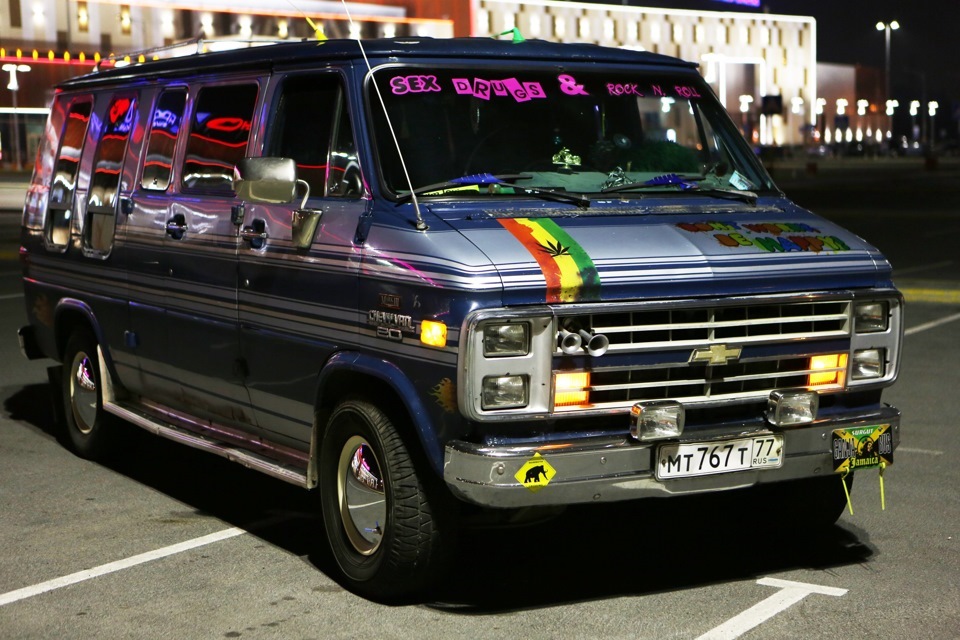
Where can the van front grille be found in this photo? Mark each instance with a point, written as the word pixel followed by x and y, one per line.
pixel 663 328
pixel 773 343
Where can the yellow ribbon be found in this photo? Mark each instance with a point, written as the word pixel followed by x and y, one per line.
pixel 843 481
pixel 883 499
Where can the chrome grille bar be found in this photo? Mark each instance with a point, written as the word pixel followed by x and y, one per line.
pixel 646 330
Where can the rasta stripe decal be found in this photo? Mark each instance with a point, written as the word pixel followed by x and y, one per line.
pixel 570 273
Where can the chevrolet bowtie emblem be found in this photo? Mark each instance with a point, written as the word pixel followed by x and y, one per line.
pixel 716 354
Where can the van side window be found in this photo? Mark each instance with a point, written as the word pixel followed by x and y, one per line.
pixel 312 126
pixel 164 126
pixel 303 126
pixel 344 177
pixel 101 213
pixel 60 202
pixel 219 132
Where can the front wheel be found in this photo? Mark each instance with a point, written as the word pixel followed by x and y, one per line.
pixel 385 516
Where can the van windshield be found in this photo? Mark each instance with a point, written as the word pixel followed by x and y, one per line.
pixel 579 131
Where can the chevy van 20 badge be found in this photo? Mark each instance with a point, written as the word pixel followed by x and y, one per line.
pixel 451 277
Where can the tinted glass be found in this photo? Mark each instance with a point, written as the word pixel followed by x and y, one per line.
pixel 583 130
pixel 218 138
pixel 118 122
pixel 344 177
pixel 164 127
pixel 68 161
pixel 303 126
pixel 64 182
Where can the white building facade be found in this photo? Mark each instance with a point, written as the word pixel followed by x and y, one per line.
pixel 744 56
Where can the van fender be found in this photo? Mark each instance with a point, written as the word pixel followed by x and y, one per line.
pixel 75 307
pixel 358 364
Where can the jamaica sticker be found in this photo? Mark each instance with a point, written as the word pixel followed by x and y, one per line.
pixel 536 473
pixel 862 448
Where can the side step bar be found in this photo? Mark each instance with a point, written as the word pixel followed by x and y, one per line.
pixel 248 459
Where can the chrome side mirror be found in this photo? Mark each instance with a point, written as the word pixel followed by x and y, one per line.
pixel 265 180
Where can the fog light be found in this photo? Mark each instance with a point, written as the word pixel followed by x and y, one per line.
pixel 788 408
pixel 504 392
pixel 868 363
pixel 656 420
pixel 870 317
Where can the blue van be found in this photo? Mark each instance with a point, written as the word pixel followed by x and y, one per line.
pixel 437 278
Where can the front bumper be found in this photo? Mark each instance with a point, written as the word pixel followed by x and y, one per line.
pixel 620 468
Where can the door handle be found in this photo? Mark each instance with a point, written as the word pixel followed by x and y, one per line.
pixel 256 234
pixel 176 226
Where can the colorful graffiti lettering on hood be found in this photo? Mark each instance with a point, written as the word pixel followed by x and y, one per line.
pixel 772 237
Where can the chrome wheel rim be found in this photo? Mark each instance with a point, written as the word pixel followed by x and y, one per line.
pixel 360 492
pixel 83 392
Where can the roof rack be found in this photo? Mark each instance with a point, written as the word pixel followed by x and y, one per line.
pixel 193 46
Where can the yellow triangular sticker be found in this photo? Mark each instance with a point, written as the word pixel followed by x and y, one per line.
pixel 536 473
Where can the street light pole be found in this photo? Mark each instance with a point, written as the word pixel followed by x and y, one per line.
pixel 887 27
pixel 14 86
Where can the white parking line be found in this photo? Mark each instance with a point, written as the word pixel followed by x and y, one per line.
pixel 926 452
pixel 931 324
pixel 790 594
pixel 11 296
pixel 119 565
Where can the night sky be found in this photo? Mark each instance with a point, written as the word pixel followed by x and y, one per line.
pixel 926 47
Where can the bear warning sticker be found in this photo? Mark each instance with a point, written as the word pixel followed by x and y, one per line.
pixel 862 448
pixel 536 473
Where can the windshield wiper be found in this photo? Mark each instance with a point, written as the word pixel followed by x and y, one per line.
pixel 686 184
pixel 485 179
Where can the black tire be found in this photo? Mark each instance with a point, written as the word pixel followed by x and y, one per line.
pixel 88 427
pixel 392 544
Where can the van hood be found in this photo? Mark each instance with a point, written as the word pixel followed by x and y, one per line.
pixel 564 255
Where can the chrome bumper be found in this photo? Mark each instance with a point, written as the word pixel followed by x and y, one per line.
pixel 610 469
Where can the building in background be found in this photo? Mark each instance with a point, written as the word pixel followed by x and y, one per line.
pixel 762 66
pixel 46 41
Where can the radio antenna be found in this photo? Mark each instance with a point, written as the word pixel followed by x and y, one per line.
pixel 420 224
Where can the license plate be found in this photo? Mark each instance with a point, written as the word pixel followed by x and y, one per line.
pixel 707 458
pixel 862 448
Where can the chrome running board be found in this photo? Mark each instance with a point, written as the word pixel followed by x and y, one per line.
pixel 248 459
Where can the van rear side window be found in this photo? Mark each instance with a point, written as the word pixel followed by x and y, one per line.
pixel 101 214
pixel 164 127
pixel 218 136
pixel 60 204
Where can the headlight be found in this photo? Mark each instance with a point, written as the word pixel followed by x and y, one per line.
pixel 504 392
pixel 503 340
pixel 868 363
pixel 871 317
pixel 875 339
pixel 505 368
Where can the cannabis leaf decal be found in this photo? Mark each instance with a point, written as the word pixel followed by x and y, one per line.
pixel 555 250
